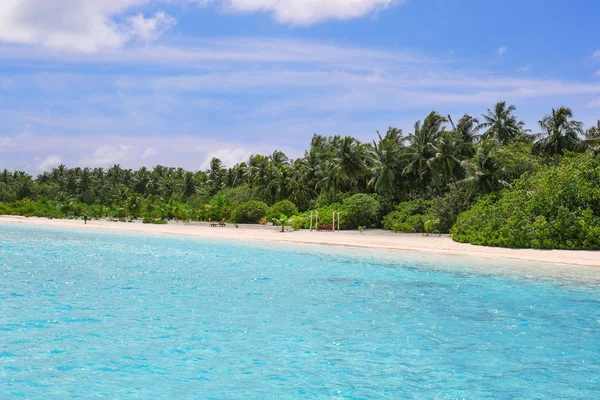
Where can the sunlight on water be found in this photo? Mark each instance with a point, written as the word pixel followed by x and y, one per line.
pixel 97 315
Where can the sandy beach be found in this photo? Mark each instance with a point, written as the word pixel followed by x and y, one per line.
pixel 372 239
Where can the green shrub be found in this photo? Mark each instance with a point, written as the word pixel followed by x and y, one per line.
pixel 285 207
pixel 218 209
pixel 299 222
pixel 160 222
pixel 250 212
pixel 326 213
pixel 360 210
pixel 447 208
pixel 555 208
pixel 409 217
pixel 148 220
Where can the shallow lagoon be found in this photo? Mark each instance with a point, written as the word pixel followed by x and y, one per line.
pixel 103 315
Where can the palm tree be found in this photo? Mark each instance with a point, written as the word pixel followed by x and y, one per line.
pixel 133 206
pixel 59 175
pixel 279 158
pixel 215 175
pixel 593 132
pixel 483 169
pixel 141 181
pixel 189 185
pixel 301 183
pixel 420 142
pixel 388 159
pixel 237 174
pixel 351 156
pixel 592 138
pixel 279 182
pixel 85 180
pixel 5 176
pixel 501 124
pixel 448 151
pixel 257 174
pixel 330 181
pixel 467 128
pixel 559 133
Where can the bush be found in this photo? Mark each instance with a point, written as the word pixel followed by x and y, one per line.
pixel 447 208
pixel 409 217
pixel 250 212
pixel 285 207
pixel 298 222
pixel 218 209
pixel 326 213
pixel 360 210
pixel 557 208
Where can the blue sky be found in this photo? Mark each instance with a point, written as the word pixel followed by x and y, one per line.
pixel 176 82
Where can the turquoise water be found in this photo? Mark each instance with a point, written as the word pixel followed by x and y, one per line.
pixel 92 315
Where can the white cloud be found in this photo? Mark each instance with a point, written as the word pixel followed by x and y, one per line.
pixel 86 26
pixel 108 155
pixel 93 25
pixel 149 152
pixel 229 157
pixel 50 162
pixel 200 53
pixel 149 29
pixel 306 12
pixel 191 153
pixel 596 54
pixel 502 50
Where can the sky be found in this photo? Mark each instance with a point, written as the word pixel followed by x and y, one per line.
pixel 177 82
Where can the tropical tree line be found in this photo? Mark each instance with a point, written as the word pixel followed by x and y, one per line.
pixel 443 160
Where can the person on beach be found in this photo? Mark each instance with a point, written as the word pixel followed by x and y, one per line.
pixel 85 218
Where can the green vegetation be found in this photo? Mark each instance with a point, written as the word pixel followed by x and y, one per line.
pixel 487 176
pixel 284 207
pixel 250 212
pixel 409 217
pixel 556 208
pixel 360 210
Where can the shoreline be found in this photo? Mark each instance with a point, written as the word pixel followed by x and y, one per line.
pixel 371 239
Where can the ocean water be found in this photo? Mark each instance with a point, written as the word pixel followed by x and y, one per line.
pixel 92 315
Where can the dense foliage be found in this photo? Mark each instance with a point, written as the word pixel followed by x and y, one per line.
pixel 448 164
pixel 409 217
pixel 360 210
pixel 282 208
pixel 250 212
pixel 558 207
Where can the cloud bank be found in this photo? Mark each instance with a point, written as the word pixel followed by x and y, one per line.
pixel 93 25
pixel 86 26
pixel 307 12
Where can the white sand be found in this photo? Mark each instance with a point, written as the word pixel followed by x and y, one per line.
pixel 375 239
